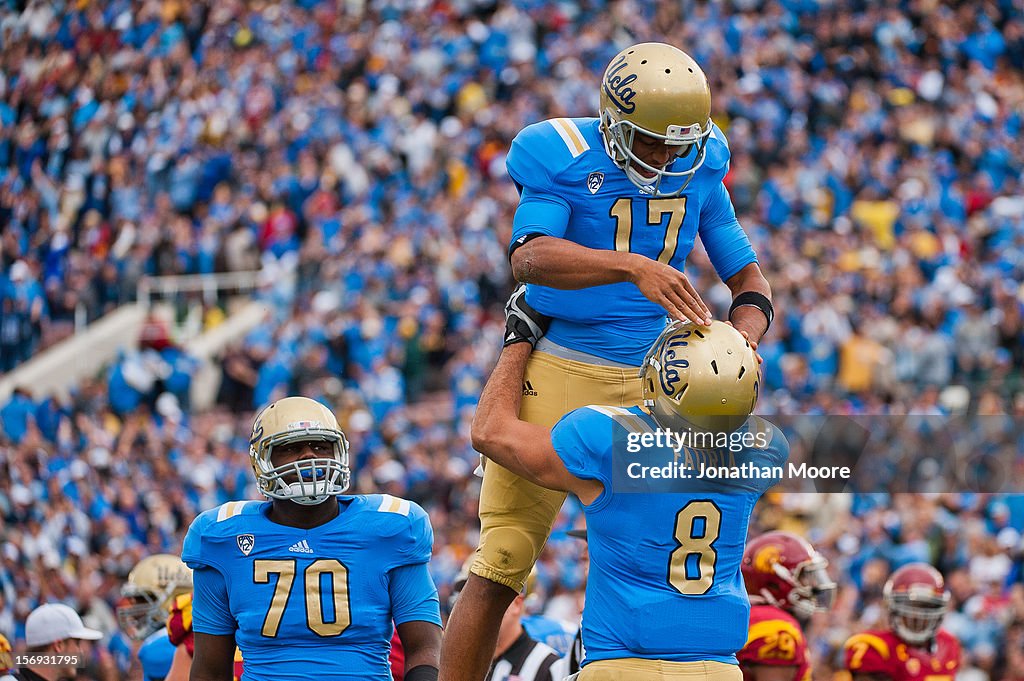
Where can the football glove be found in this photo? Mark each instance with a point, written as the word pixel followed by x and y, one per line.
pixel 523 324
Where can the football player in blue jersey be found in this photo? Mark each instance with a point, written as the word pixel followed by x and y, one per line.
pixel 309 583
pixel 665 596
pixel 146 600
pixel 610 207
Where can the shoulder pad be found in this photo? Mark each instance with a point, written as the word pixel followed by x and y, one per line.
pixel 540 152
pixel 405 525
pixel 764 432
pixel 214 523
pixel 631 422
pixel 236 508
pixel 716 152
pixel 390 504
pixel 867 652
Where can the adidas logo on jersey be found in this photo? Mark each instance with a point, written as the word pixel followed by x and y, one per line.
pixel 528 390
pixel 300 547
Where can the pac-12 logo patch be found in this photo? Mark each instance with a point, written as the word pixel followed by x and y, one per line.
pixel 594 181
pixel 245 543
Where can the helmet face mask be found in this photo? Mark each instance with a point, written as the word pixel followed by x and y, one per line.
pixel 784 570
pixel 659 91
pixel 149 592
pixel 700 377
pixel 917 601
pixel 292 422
pixel 814 591
pixel 917 623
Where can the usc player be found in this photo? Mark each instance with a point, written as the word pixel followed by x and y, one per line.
pixel 786 582
pixel 913 647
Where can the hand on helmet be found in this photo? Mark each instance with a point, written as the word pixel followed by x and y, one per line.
pixel 668 287
pixel 753 344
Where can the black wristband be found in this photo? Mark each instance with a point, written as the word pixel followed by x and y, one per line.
pixel 423 672
pixel 754 299
pixel 522 241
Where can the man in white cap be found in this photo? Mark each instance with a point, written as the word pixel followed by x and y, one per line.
pixel 55 633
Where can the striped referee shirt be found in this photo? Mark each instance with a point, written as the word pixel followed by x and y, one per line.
pixel 526 660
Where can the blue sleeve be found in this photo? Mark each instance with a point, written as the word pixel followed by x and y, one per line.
pixel 533 159
pixel 419 541
pixel 413 595
pixel 724 240
pixel 210 611
pixel 192 553
pixel 583 441
pixel 156 656
pixel 540 212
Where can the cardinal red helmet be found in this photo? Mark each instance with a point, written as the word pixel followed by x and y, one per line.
pixel 917 600
pixel 782 569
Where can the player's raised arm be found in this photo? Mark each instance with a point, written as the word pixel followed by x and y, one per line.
pixel 752 310
pixel 523 448
pixel 560 263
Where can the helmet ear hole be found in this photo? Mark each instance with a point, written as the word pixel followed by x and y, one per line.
pixel 714 367
pixel 743 370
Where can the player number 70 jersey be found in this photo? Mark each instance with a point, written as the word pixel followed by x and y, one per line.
pixel 293 596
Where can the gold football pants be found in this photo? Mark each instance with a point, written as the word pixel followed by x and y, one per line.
pixel 515 515
pixel 636 669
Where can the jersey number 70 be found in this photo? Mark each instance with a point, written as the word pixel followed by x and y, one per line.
pixel 313 577
pixel 691 567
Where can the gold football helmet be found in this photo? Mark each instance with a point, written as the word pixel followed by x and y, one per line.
pixel 149 593
pixel 305 481
pixel 659 91
pixel 703 377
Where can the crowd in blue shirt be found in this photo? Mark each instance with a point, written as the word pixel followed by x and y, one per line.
pixel 354 152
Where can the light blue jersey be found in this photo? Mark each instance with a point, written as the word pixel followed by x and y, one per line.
pixel 156 655
pixel 665 555
pixel 551 632
pixel 569 188
pixel 312 603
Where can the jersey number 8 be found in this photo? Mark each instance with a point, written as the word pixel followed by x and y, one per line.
pixel 691 567
pixel 312 577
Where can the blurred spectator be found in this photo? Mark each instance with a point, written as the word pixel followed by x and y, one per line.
pixel 354 153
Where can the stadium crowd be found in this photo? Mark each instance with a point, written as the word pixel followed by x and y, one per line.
pixel 877 155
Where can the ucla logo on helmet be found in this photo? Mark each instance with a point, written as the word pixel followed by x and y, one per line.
pixel 672 363
pixel 257 433
pixel 617 86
